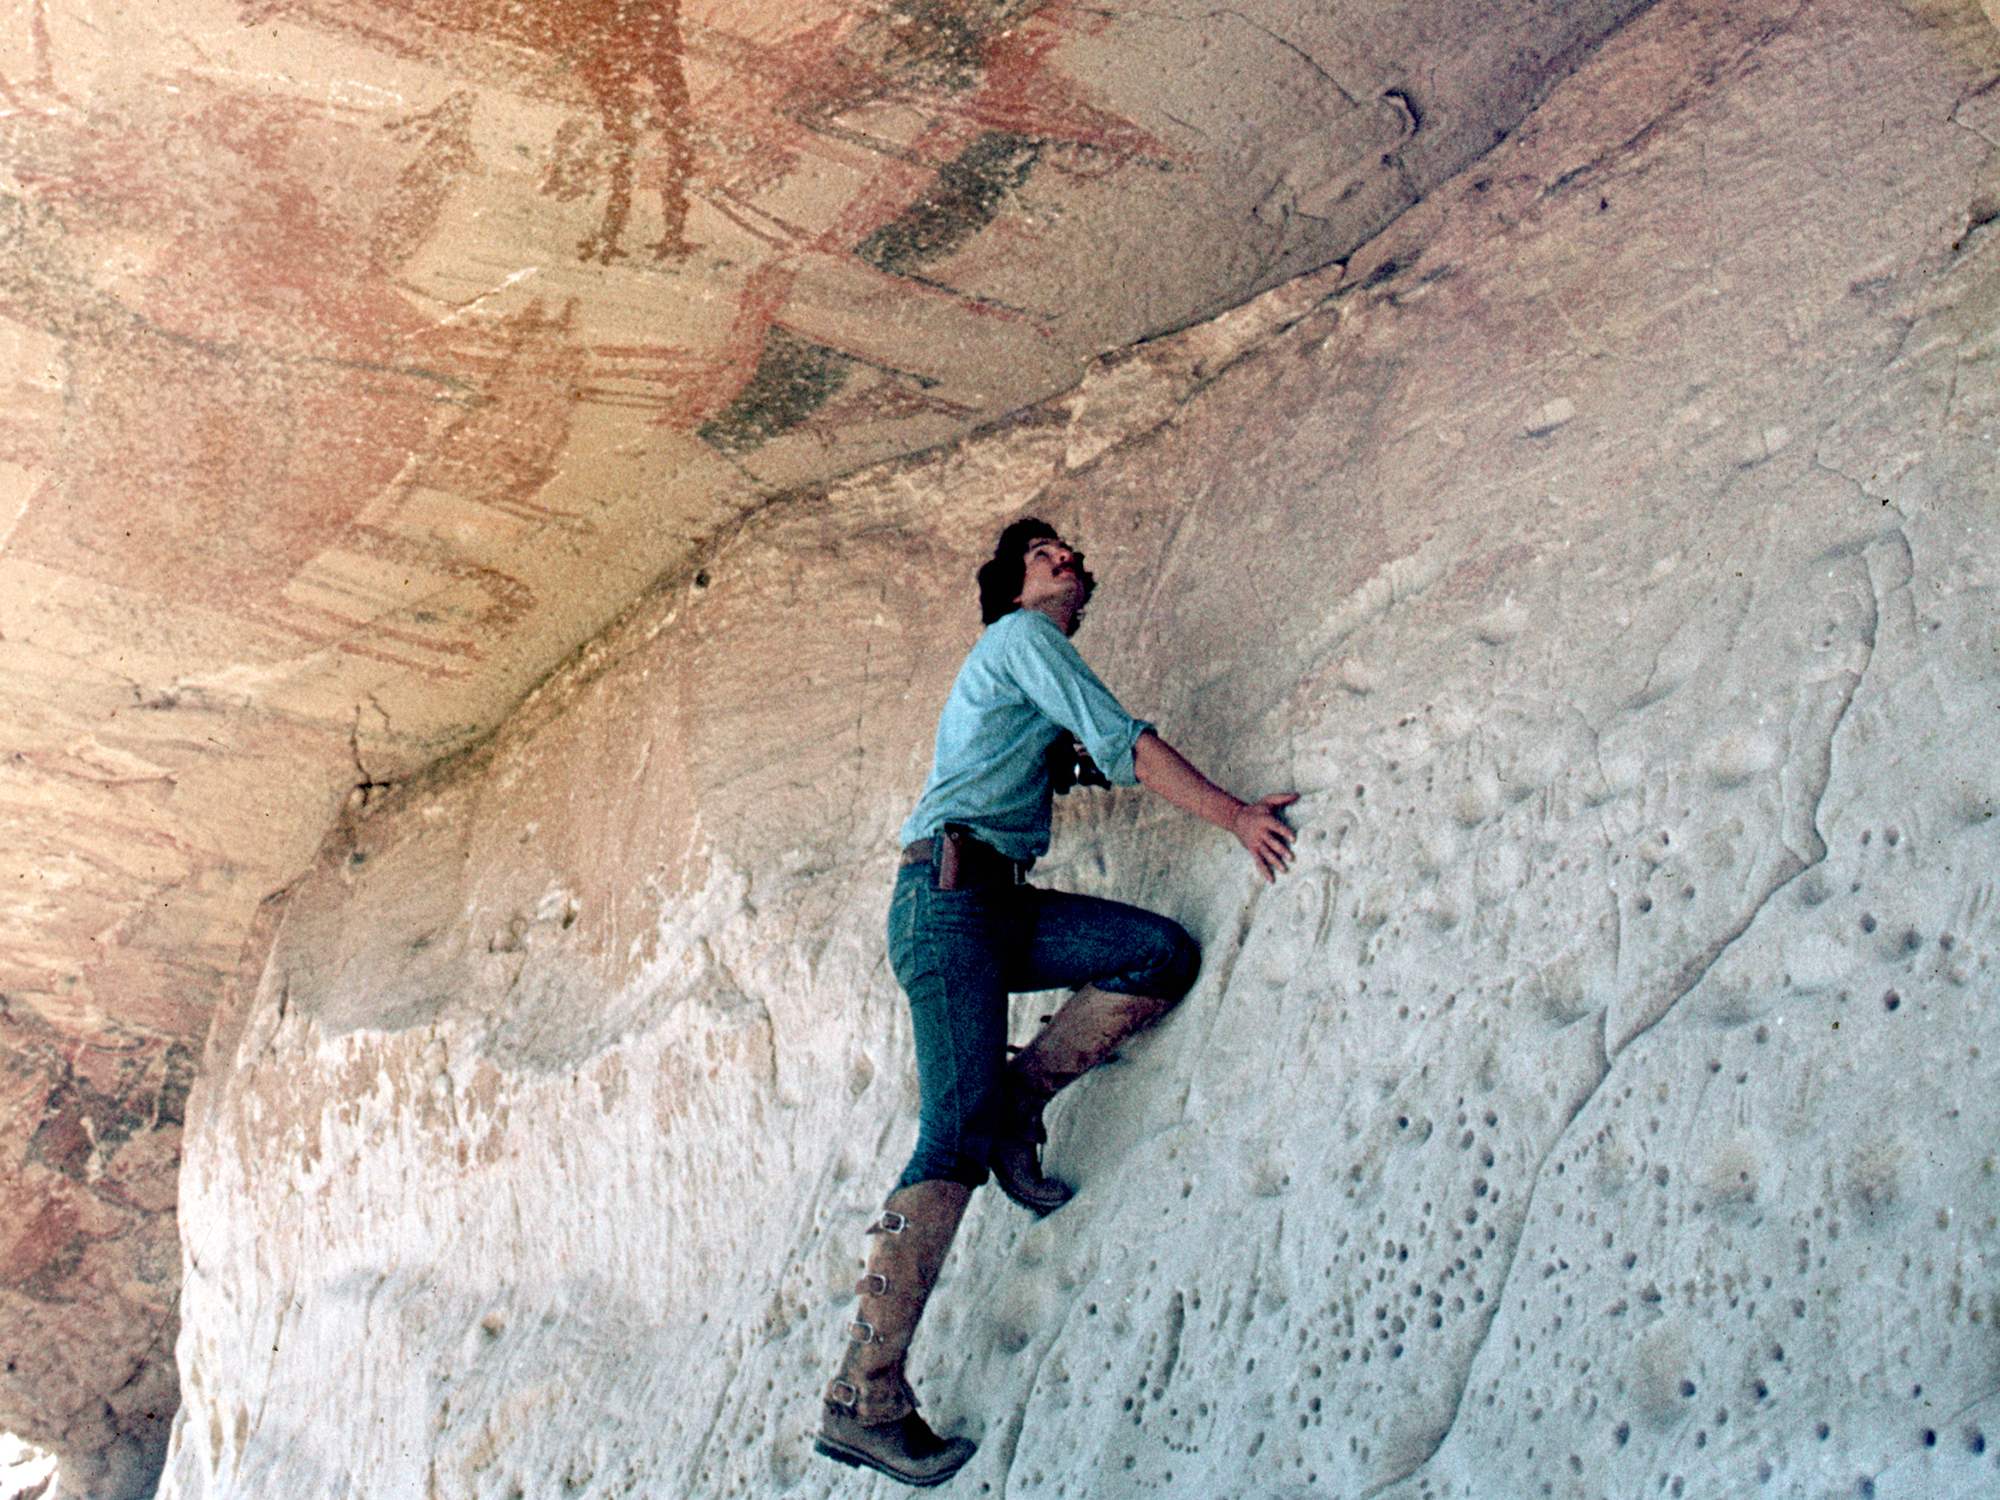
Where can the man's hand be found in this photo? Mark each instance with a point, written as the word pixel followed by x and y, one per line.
pixel 1256 825
pixel 1267 836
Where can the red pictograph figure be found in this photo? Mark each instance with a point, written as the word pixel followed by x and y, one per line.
pixel 618 59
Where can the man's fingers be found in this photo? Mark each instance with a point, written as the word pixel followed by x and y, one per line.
pixel 1269 837
pixel 1274 852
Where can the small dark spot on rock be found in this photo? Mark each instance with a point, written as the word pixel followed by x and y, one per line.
pixel 1376 277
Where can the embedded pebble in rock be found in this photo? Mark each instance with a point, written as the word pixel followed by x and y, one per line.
pixel 1603 1104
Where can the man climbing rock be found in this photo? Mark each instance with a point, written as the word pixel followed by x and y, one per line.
pixel 965 930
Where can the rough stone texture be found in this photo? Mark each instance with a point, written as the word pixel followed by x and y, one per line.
pixel 360 359
pixel 1605 1105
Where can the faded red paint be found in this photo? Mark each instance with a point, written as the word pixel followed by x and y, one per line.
pixel 42 1237
pixel 764 294
pixel 970 66
pixel 444 155
pixel 621 57
pixel 240 400
pixel 504 449
pixel 1021 91
pixel 243 398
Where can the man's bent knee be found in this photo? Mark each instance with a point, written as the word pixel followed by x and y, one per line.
pixel 1167 973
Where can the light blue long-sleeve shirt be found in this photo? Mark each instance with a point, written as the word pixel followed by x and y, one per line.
pixel 1021 685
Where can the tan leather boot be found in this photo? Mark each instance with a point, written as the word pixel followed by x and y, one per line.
pixel 1085 1032
pixel 870 1418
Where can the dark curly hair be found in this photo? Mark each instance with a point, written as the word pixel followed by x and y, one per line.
pixel 1002 574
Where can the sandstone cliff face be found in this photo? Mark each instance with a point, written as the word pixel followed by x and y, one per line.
pixel 361 359
pixel 1603 1105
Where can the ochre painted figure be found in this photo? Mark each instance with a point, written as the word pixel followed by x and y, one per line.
pixel 966 930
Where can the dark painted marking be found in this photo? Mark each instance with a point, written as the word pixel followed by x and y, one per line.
pixel 964 198
pixel 793 380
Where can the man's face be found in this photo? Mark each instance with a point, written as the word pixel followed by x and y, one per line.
pixel 1052 575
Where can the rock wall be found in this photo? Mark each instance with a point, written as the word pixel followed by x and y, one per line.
pixel 361 359
pixel 1603 1106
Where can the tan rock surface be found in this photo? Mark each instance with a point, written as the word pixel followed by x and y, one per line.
pixel 1603 1106
pixel 359 360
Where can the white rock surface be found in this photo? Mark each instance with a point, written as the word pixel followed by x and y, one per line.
pixel 1605 1105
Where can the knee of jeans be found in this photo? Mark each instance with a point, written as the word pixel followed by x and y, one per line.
pixel 1178 969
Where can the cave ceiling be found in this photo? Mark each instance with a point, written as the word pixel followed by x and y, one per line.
pixel 364 358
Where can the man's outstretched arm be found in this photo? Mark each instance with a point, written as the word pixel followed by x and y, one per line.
pixel 1256 825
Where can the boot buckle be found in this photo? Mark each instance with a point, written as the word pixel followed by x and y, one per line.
pixel 882 1284
pixel 891 1222
pixel 850 1400
pixel 863 1332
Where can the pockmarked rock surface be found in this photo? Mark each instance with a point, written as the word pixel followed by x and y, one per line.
pixel 361 359
pixel 1605 1103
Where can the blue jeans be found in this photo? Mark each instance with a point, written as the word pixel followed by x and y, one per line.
pixel 959 954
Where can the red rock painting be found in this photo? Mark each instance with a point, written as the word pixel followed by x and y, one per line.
pixel 235 404
pixel 251 380
pixel 620 58
pixel 254 281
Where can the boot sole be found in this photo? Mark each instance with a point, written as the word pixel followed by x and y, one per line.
pixel 1039 1209
pixel 854 1458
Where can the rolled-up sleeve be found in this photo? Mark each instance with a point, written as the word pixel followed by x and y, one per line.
pixel 1056 680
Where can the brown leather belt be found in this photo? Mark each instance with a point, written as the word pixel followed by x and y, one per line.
pixel 962 860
